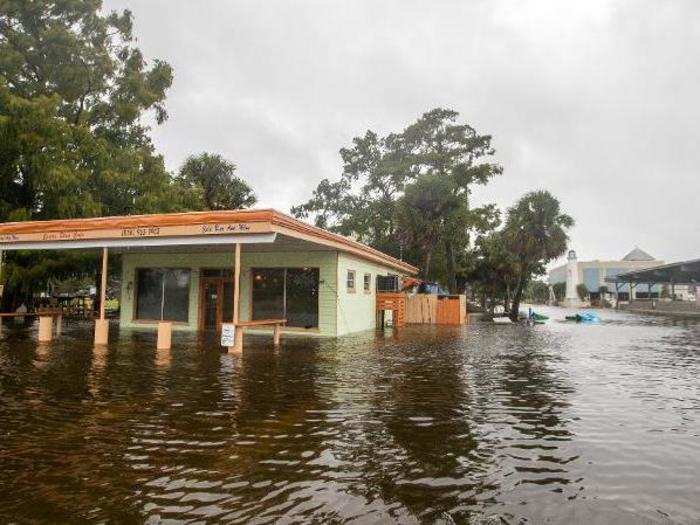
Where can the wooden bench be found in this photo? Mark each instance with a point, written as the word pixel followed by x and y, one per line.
pixel 45 327
pixel 48 313
pixel 277 325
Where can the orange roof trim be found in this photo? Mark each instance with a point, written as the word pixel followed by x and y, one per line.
pixel 258 220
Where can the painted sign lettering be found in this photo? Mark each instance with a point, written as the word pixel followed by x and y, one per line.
pixel 62 236
pixel 225 228
pixel 141 231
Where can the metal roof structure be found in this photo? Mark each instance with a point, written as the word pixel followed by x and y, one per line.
pixel 684 272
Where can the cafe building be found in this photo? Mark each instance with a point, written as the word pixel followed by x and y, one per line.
pixel 261 270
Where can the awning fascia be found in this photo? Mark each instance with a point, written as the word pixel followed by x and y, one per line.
pixel 184 240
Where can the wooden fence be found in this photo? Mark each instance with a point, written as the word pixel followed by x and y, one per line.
pixel 429 309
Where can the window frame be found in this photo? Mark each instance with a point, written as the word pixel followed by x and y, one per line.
pixel 135 301
pixel 353 288
pixel 285 270
pixel 367 283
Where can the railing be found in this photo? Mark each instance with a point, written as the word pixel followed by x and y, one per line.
pixel 387 283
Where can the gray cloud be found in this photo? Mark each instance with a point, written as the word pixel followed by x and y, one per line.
pixel 596 101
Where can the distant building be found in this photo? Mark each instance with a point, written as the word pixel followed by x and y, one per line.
pixel 593 274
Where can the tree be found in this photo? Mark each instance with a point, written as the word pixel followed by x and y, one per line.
pixel 74 91
pixel 371 200
pixel 582 291
pixel 536 292
pixel 493 270
pixel 559 291
pixel 212 177
pixel 536 233
pixel 362 203
pixel 421 214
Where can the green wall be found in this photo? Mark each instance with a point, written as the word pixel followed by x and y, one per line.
pixel 340 312
pixel 357 311
pixel 325 261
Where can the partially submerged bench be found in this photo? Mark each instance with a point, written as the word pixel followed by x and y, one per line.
pixel 277 325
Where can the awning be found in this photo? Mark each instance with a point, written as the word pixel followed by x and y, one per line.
pixel 685 272
pixel 262 227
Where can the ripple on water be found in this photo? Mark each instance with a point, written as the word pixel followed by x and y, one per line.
pixel 558 422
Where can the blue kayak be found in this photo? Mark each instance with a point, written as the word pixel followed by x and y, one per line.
pixel 584 317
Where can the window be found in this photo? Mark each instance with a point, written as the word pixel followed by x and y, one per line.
pixel 368 283
pixel 350 282
pixel 286 293
pixel 162 294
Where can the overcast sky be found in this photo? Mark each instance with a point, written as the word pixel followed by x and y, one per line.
pixel 596 101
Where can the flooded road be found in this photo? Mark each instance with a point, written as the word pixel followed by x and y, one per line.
pixel 483 424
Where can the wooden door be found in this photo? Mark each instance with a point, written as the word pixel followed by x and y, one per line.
pixel 215 302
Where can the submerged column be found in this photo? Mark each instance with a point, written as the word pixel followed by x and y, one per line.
pixel 238 337
pixel 101 324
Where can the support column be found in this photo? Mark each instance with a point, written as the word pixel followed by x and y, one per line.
pixel 45 328
pixel 101 324
pixel 276 335
pixel 2 286
pixel 238 338
pixel 165 330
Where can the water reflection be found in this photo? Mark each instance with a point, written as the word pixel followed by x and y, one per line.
pixel 555 422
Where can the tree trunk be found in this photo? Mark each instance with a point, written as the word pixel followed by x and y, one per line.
pixel 426 266
pixel 451 267
pixel 518 293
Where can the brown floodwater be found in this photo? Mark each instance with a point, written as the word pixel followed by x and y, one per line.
pixel 561 422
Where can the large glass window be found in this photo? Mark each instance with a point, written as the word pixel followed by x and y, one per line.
pixel 268 293
pixel 163 294
pixel 302 297
pixel 290 293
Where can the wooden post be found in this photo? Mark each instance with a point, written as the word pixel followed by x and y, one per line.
pixel 59 324
pixel 101 324
pixel 45 328
pixel 276 335
pixel 2 286
pixel 238 338
pixel 164 335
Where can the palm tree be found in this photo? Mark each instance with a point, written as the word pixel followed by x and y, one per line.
pixel 536 233
pixel 214 178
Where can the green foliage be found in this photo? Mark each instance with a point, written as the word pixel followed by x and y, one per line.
pixel 74 93
pixel 493 268
pixel 407 194
pixel 536 232
pixel 559 291
pixel 211 179
pixel 582 291
pixel 536 292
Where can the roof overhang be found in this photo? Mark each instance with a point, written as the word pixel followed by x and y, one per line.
pixel 684 272
pixel 145 242
pixel 181 229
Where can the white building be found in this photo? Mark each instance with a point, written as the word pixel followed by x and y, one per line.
pixel 593 274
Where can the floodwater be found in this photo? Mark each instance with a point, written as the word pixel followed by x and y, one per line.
pixel 561 422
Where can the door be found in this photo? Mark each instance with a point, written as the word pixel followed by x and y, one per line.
pixel 216 302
